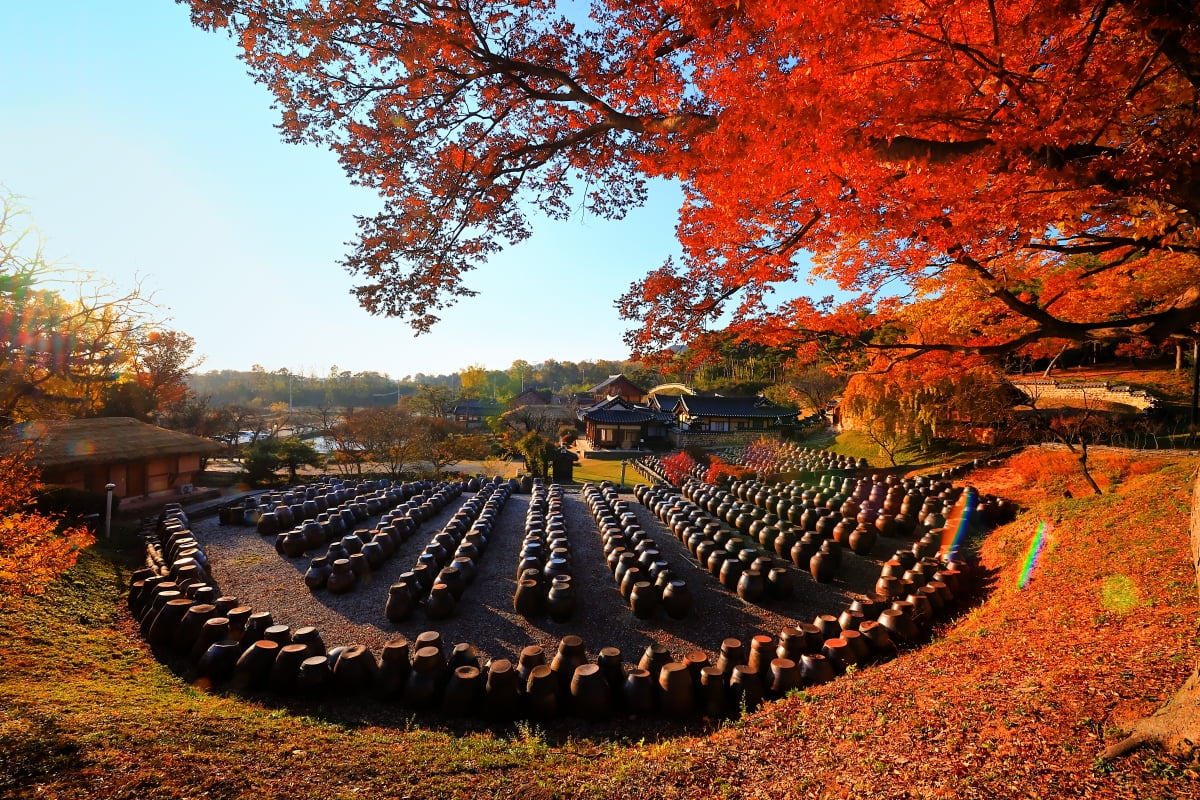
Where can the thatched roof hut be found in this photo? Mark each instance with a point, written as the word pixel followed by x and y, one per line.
pixel 139 459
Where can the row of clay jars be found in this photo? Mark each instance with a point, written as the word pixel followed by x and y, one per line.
pixel 648 585
pixel 765 580
pixel 822 565
pixel 438 594
pixel 217 638
pixel 544 574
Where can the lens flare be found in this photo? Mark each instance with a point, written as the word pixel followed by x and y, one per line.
pixel 1031 557
pixel 958 522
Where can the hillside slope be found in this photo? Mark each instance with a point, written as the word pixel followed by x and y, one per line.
pixel 1016 699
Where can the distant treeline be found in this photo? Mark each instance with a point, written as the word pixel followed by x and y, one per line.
pixel 342 388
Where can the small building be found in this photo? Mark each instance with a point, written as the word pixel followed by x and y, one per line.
pixel 137 458
pixel 473 413
pixel 617 424
pixel 531 397
pixel 617 386
pixel 562 466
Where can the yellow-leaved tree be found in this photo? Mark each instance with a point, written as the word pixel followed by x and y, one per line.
pixel 35 547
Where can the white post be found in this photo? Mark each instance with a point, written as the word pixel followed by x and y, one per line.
pixel 108 511
pixel 623 463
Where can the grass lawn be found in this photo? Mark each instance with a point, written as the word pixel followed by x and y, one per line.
pixel 595 470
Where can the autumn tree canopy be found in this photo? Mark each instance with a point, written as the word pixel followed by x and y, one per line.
pixel 975 176
pixel 64 335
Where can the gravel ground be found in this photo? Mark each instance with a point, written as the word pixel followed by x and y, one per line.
pixel 246 565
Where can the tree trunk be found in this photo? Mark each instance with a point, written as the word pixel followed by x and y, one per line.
pixel 1194 417
pixel 1175 727
pixel 1054 361
pixel 1083 465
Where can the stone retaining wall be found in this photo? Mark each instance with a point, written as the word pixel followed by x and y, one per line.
pixel 714 439
pixel 1047 389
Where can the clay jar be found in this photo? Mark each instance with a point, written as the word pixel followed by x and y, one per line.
pixel 676 690
pixel 542 693
pixel 399 603
pixel 341 578
pixel 822 567
pixel 454 580
pixel 355 669
pixel 745 688
pixel 731 573
pixel 394 668
pixel 785 676
pixel 677 599
pixel 502 691
pixel 779 583
pixel 815 669
pixel 638 692
pixel 862 539
pixel 570 655
pixel 253 667
pixel 643 599
pixel 218 661
pixel 463 691
pixel 560 600
pixel 751 586
pixel 590 695
pixel 440 604
pixel 733 652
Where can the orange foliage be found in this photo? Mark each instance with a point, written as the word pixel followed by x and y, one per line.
pixel 34 548
pixel 1056 470
pixel 677 467
pixel 973 176
pixel 719 471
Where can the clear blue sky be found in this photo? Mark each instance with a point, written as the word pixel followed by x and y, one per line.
pixel 141 147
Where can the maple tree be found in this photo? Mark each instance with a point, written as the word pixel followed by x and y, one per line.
pixel 163 361
pixel 35 547
pixel 974 176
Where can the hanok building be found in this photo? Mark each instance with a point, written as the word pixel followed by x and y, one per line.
pixel 618 424
pixel 531 397
pixel 138 459
pixel 617 386
pixel 473 413
pixel 721 421
pixel 664 402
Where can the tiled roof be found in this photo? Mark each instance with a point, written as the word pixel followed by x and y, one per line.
pixel 608 403
pixel 626 416
pixel 474 406
pixel 615 380
pixel 666 402
pixel 749 407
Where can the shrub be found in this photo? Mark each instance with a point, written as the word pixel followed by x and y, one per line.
pixel 35 547
pixel 698 454
pixel 74 503
pixel 678 466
